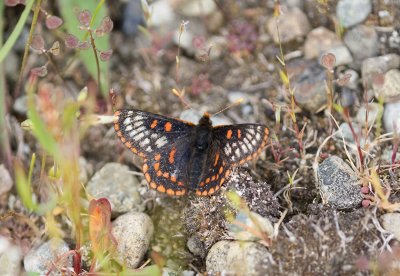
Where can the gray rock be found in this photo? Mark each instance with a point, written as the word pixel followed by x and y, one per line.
pixel 162 14
pixel 20 105
pixel 339 185
pixel 347 97
pixel 345 132
pixel 391 117
pixel 10 258
pixel 197 8
pixel 354 79
pixel 85 170
pixel 308 79
pixel 352 12
pixel 132 17
pixel 196 246
pixel 294 25
pixel 389 91
pixel 378 65
pixel 6 182
pixel 391 223
pixel 237 258
pixel 42 259
pixel 319 41
pixel 372 111
pixel 362 42
pixel 118 185
pixel 387 153
pixel 133 232
pixel 342 55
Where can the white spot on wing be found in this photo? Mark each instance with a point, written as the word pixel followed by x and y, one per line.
pixel 244 147
pixel 149 149
pixel 139 136
pixel 228 150
pixel 144 142
pixel 251 131
pixel 154 136
pixel 237 152
pixel 161 141
pixel 138 123
pixel 127 121
pixel 258 136
pixel 249 136
pixel 138 118
pixel 129 128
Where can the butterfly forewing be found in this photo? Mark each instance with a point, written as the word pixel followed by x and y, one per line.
pixel 146 133
pixel 240 143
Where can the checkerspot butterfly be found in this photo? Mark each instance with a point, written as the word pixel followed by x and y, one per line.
pixel 179 156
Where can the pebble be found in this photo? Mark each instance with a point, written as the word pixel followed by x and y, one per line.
pixel 10 258
pixel 41 259
pixel 354 79
pixel 339 185
pixel 132 17
pixel 362 42
pixel 6 182
pixel 347 97
pixel 391 117
pixel 237 258
pixel 20 105
pixel 115 182
pixel 345 133
pixel 196 246
pixel 389 91
pixel 342 55
pixel 378 65
pixel 293 25
pixel 386 155
pixel 253 221
pixel 372 110
pixel 352 12
pixel 391 223
pixel 133 232
pixel 309 80
pixel 161 14
pixel 319 41
pixel 196 8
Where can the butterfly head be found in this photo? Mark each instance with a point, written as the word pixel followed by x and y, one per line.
pixel 205 120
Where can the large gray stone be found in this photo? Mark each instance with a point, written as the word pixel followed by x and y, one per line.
pixel 353 12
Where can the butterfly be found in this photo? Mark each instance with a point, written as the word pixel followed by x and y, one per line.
pixel 180 156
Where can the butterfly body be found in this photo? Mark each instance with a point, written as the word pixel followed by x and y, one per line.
pixel 180 156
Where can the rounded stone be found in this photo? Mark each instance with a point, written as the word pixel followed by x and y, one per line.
pixel 42 259
pixel 352 12
pixel 133 232
pixel 116 183
pixel 389 91
pixel 237 258
pixel 6 182
pixel 391 223
pixel 319 41
pixel 339 184
pixel 293 25
pixel 362 42
pixel 391 117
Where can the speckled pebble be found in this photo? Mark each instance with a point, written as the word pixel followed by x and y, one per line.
pixel 391 223
pixel 352 12
pixel 133 232
pixel 339 185
pixel 389 91
pixel 237 258
pixel 10 258
pixel 115 182
pixel 41 259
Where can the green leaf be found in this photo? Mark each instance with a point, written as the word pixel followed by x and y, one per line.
pixel 69 10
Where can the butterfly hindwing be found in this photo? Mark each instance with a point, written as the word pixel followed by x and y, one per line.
pixel 166 172
pixel 215 174
pixel 145 133
pixel 240 143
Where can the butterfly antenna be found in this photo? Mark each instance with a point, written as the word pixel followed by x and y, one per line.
pixel 180 95
pixel 238 102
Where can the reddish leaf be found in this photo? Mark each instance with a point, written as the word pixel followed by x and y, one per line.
pixel 100 225
pixel 71 41
pixel 39 71
pixel 37 43
pixel 84 45
pixel 328 61
pixel 84 17
pixel 105 56
pixel 53 22
pixel 55 49
pixel 106 26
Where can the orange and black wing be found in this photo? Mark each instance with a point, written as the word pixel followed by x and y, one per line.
pixel 162 143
